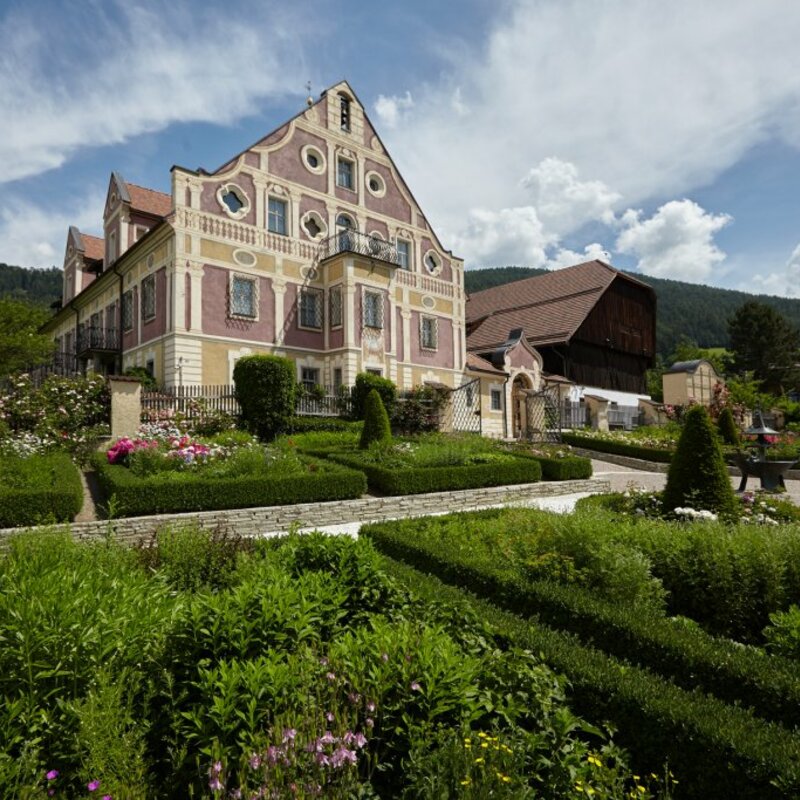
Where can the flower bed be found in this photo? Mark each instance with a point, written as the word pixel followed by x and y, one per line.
pixel 37 489
pixel 221 667
pixel 172 473
pixel 618 445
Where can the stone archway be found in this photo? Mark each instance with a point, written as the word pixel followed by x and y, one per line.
pixel 520 387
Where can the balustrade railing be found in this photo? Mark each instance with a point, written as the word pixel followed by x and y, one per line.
pixel 350 241
pixel 97 338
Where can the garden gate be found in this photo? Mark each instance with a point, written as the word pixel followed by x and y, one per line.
pixel 464 408
pixel 543 416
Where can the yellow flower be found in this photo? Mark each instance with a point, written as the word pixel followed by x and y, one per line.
pixel 595 760
pixel 640 789
pixel 506 779
pixel 466 782
pixel 484 744
pixel 479 761
pixel 468 744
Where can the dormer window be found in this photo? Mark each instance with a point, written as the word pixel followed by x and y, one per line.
pixel 344 112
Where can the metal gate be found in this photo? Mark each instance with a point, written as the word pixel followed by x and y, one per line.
pixel 464 408
pixel 543 416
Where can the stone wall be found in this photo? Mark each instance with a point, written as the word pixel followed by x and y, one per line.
pixel 257 521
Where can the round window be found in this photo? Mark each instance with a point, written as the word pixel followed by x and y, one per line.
pixel 312 160
pixel 375 184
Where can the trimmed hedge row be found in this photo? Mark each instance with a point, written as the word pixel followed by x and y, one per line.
pixel 569 468
pixel 716 751
pixel 417 480
pixel 59 497
pixel 153 495
pixel 311 424
pixel 617 448
pixel 688 656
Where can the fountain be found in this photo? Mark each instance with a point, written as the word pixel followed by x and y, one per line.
pixel 770 472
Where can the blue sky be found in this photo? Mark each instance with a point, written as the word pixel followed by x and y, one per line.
pixel 535 132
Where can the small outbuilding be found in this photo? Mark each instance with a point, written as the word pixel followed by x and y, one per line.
pixel 690 380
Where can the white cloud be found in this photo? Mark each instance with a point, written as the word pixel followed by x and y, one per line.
pixel 75 81
pixel 650 99
pixel 390 109
pixel 33 236
pixel 509 236
pixel 563 202
pixel 676 242
pixel 566 258
pixel 785 283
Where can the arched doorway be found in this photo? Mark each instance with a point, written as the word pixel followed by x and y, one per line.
pixel 520 387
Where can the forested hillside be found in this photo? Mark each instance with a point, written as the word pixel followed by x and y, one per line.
pixel 684 309
pixel 38 286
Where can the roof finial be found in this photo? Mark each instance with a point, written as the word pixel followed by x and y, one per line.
pixel 309 99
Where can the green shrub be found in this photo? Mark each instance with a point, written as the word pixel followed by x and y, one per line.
pixel 418 409
pixel 149 383
pixel 716 751
pixel 783 633
pixel 569 468
pixel 376 422
pixel 631 450
pixel 187 491
pixel 365 383
pixel 265 390
pixel 726 425
pixel 686 655
pixel 312 424
pixel 416 480
pixel 697 474
pixel 39 489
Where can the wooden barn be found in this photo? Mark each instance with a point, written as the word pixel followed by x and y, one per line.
pixel 591 323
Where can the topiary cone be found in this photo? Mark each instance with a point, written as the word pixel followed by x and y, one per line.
pixel 727 427
pixel 697 474
pixel 376 422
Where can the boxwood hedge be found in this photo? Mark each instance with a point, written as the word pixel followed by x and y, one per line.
pixel 39 488
pixel 716 751
pixel 416 480
pixel 569 468
pixel 137 496
pixel 618 448
pixel 686 655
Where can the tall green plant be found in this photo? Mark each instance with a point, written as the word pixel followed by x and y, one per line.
pixel 265 389
pixel 727 427
pixel 365 383
pixel 697 474
pixel 376 422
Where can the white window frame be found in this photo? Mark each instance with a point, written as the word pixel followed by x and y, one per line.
pixel 126 315
pixel 310 384
pixel 367 318
pixel 351 187
pixel 335 321
pixel 148 314
pixel 284 217
pixel 434 329
pixel 318 314
pixel 240 193
pixel 437 260
pixel 251 279
pixel 495 391
pixel 409 253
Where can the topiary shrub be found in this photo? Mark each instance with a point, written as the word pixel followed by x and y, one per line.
pixel 376 422
pixel 265 390
pixel 697 474
pixel 726 425
pixel 365 383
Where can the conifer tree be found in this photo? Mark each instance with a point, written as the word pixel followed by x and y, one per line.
pixel 376 421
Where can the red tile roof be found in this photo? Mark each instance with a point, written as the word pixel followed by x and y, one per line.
pixel 549 308
pixel 475 362
pixel 149 201
pixel 94 248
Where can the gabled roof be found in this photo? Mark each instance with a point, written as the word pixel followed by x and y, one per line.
pixel 149 201
pixel 550 307
pixel 478 364
pixel 94 247
pixel 689 366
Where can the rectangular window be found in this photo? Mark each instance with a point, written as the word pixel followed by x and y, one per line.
pixel 139 231
pixel 337 379
pixel 429 333
pixel 309 377
pixel 335 307
pixel 148 298
pixel 497 400
pixel 373 310
pixel 403 253
pixel 310 309
pixel 276 216
pixel 344 174
pixel 374 371
pixel 242 297
pixel 127 310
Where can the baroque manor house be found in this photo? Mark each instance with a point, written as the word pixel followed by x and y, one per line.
pixel 308 244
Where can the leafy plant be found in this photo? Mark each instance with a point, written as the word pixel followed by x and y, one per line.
pixel 376 422
pixel 265 390
pixel 364 384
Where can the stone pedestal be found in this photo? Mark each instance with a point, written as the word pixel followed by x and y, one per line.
pixel 598 411
pixel 126 406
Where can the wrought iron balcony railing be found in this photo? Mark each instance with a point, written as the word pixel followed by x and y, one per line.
pixel 96 338
pixel 360 243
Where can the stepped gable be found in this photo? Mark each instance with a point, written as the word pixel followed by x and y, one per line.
pixel 550 307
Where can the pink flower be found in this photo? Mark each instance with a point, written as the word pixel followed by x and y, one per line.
pixel 93 786
pixel 415 687
pixel 52 775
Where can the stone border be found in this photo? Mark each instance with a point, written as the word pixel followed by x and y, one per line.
pixel 258 521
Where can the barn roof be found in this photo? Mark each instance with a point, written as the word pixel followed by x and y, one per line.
pixel 550 307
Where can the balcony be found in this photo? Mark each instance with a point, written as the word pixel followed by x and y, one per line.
pixel 97 340
pixel 360 244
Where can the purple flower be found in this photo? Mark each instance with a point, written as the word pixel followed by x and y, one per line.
pixel 93 786
pixel 255 761
pixel 52 775
pixel 415 687
pixel 214 784
pixel 322 760
pixel 360 740
pixel 384 657
pixel 331 676
pixel 216 768
pixel 369 722
pixel 343 756
pixel 328 738
pixel 106 797
pixel 274 754
pixel 329 716
pixel 353 697
pixel 289 734
pixel 51 792
pixel 371 707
